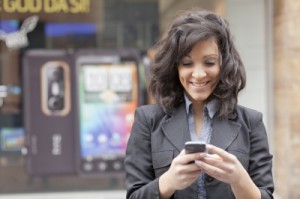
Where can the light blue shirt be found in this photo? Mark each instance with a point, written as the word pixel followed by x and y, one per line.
pixel 209 112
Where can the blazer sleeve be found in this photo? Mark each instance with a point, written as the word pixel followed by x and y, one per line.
pixel 139 174
pixel 260 164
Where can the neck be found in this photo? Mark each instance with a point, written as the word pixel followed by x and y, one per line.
pixel 198 105
pixel 198 109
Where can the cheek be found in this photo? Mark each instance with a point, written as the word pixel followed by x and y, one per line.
pixel 215 73
pixel 216 81
pixel 183 78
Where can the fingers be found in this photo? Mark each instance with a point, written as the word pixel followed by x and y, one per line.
pixel 220 165
pixel 221 158
pixel 211 170
pixel 214 159
pixel 182 173
pixel 222 153
pixel 214 165
pixel 216 150
pixel 184 158
pixel 185 163
pixel 211 161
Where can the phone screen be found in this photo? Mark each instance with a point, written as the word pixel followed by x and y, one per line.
pixel 107 101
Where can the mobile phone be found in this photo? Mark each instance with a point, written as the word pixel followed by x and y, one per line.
pixel 107 89
pixel 195 147
pixel 48 112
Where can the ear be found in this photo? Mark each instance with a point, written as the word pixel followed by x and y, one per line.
pixel 29 24
pixel 2 35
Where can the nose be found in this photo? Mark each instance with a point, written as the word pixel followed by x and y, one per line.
pixel 199 71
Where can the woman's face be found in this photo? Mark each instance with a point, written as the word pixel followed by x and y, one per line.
pixel 199 70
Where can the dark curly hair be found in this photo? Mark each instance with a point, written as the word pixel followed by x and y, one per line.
pixel 185 31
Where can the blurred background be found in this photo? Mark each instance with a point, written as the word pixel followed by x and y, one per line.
pixel 72 73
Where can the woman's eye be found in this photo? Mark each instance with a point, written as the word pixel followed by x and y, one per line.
pixel 187 63
pixel 210 63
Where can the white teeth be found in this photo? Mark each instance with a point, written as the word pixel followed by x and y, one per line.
pixel 200 84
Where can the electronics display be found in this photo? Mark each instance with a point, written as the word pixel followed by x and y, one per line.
pixel 11 139
pixel 108 97
pixel 79 110
pixel 49 113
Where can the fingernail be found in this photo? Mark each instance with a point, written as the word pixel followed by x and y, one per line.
pixel 203 155
pixel 198 162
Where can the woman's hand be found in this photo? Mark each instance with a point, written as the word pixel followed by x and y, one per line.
pixel 227 168
pixel 182 173
pixel 221 165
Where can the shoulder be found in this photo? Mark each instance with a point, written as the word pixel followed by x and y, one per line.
pixel 248 116
pixel 247 112
pixel 150 116
pixel 151 111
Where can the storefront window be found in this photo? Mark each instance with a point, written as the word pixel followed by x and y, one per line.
pixel 69 26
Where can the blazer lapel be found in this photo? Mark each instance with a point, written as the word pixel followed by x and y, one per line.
pixel 177 131
pixel 224 132
pixel 176 127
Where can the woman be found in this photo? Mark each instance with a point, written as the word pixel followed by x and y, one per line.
pixel 196 77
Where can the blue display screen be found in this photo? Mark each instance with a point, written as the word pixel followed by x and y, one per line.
pixel 12 138
pixel 62 29
pixel 9 26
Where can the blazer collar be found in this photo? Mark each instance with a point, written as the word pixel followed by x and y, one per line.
pixel 176 127
pixel 224 132
pixel 177 131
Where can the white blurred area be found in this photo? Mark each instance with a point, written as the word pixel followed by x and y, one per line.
pixel 115 194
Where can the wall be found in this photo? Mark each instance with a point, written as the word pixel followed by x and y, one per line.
pixel 249 33
pixel 287 95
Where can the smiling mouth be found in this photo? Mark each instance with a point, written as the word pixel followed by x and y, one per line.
pixel 199 85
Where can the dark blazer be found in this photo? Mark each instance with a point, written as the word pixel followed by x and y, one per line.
pixel 157 138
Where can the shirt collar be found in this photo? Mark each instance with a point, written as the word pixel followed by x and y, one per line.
pixel 211 106
pixel 188 103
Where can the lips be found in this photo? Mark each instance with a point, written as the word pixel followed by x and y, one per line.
pixel 199 84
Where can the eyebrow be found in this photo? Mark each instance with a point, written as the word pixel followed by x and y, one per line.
pixel 205 56
pixel 211 55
